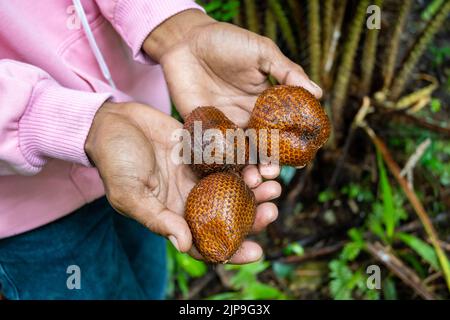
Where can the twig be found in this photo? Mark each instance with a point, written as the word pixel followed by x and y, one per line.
pixel 432 277
pixel 418 95
pixel 414 200
pixel 198 285
pixel 337 32
pixel 357 120
pixel 224 276
pixel 419 122
pixel 407 275
pixel 417 225
pixel 412 161
pixel 313 254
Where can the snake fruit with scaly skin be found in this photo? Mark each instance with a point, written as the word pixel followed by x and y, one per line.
pixel 220 211
pixel 221 208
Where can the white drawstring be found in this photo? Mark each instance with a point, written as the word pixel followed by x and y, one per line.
pixel 92 43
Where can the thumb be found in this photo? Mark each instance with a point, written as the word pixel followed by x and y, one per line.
pixel 157 218
pixel 275 63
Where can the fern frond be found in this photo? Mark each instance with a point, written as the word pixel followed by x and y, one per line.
pixel 417 50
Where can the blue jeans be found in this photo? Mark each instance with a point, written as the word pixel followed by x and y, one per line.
pixel 93 253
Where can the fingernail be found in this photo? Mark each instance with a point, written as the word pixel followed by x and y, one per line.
pixel 273 217
pixel 268 170
pixel 257 181
pixel 315 84
pixel 318 94
pixel 174 242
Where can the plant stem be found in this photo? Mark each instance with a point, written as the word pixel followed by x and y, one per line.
pixel 392 48
pixel 346 67
pixel 270 25
pixel 414 200
pixel 314 40
pixel 369 55
pixel 251 16
pixel 330 54
pixel 417 50
pixel 285 27
pixel 328 11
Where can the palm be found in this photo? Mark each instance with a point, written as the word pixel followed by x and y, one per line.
pixel 223 71
pixel 143 169
pixel 226 66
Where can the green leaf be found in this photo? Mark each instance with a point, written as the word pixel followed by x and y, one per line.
pixel 341 276
pixel 431 9
pixel 258 291
pixel 246 273
pixel 293 248
pixel 225 296
pixel 183 283
pixel 389 216
pixel 423 249
pixel 435 105
pixel 326 195
pixel 413 260
pixel 193 268
pixel 282 270
pixel 351 250
pixel 356 235
pixel 389 290
pixel 372 294
pixel 375 221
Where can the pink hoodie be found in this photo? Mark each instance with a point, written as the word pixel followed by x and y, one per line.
pixel 51 85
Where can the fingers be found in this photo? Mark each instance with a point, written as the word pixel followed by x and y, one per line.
pixel 193 252
pixel 157 218
pixel 249 252
pixel 269 171
pixel 173 226
pixel 251 176
pixel 267 191
pixel 275 63
pixel 266 213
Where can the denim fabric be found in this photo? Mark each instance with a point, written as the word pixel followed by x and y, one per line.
pixel 117 258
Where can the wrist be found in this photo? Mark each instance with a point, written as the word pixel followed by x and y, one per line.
pixel 108 110
pixel 173 31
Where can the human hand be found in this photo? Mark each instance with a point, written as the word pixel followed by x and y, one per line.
pixel 210 63
pixel 131 146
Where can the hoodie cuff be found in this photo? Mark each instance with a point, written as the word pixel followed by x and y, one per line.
pixel 134 20
pixel 56 124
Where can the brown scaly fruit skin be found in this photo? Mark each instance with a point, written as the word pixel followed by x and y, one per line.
pixel 303 125
pixel 220 212
pixel 220 209
pixel 212 118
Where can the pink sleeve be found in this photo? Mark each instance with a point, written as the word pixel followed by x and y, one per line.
pixel 135 19
pixel 40 119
